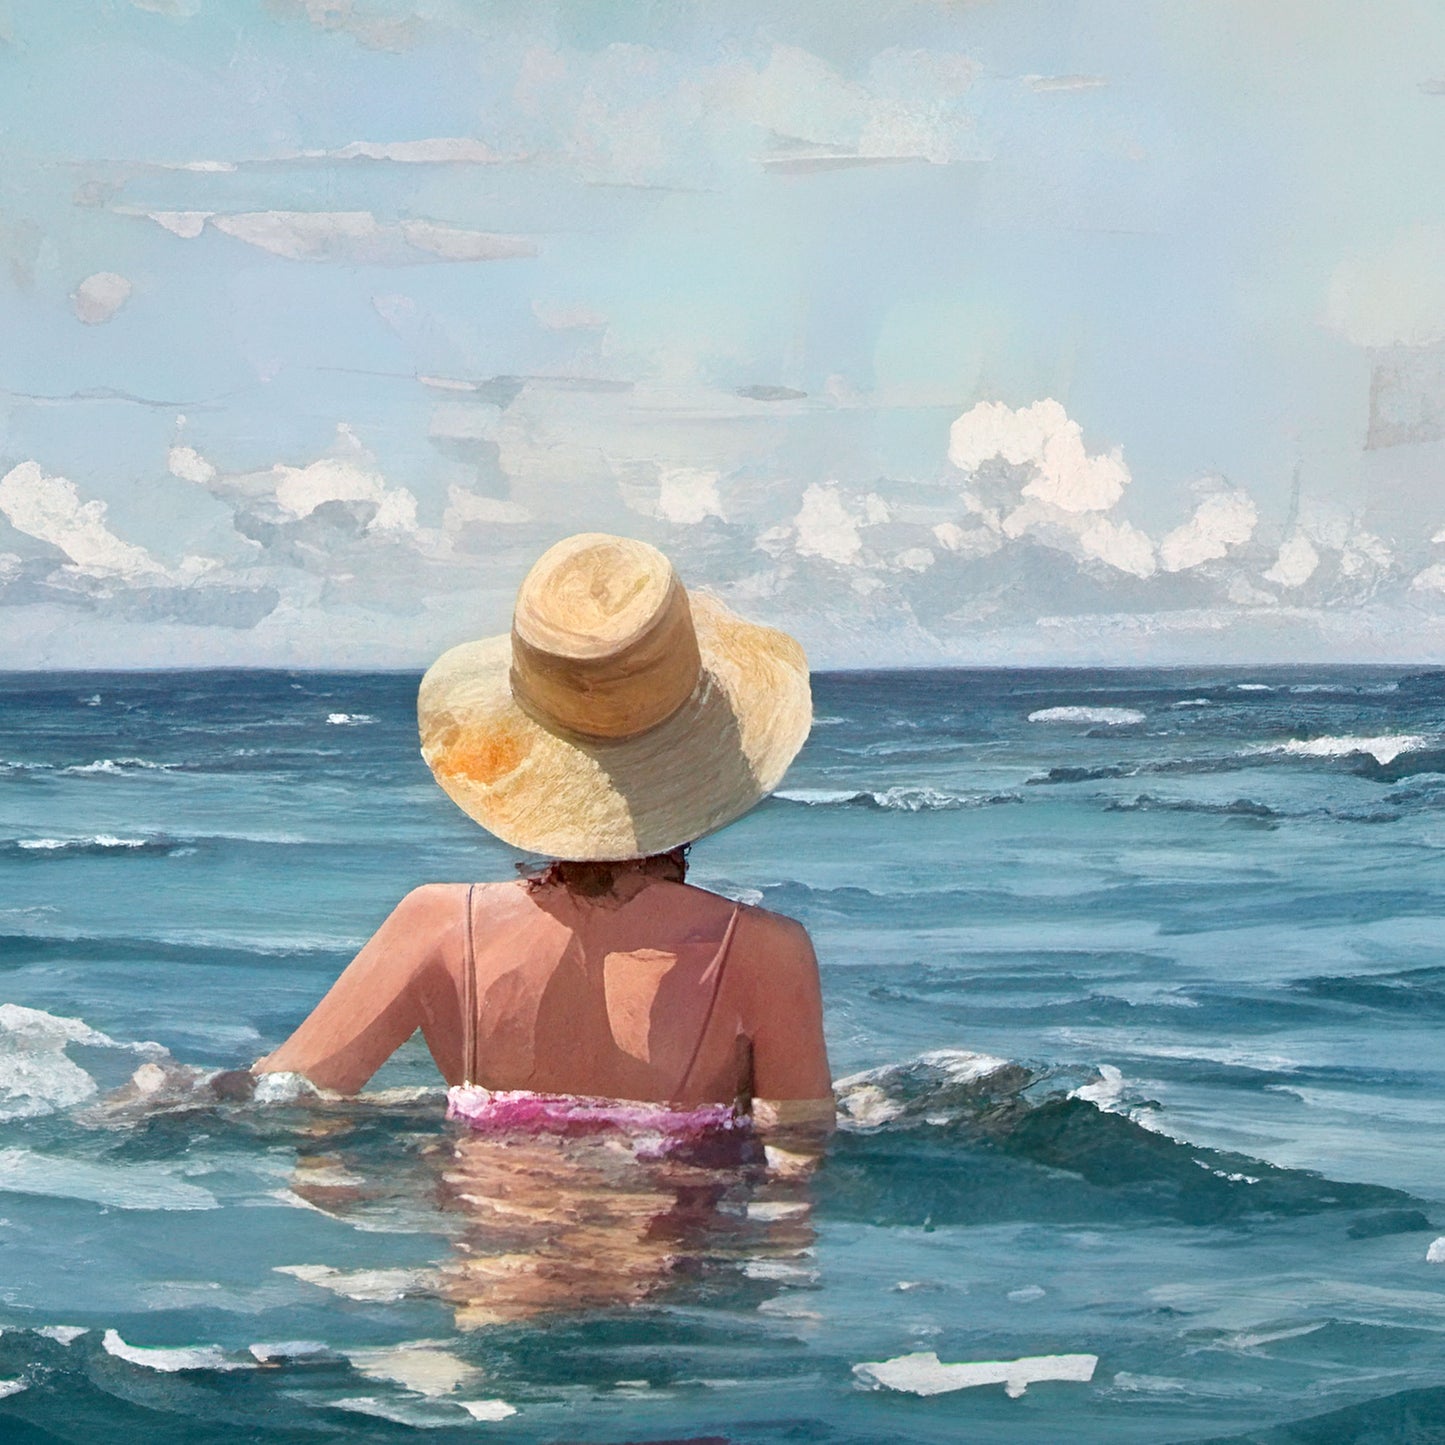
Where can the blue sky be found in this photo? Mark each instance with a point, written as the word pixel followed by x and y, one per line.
pixel 990 332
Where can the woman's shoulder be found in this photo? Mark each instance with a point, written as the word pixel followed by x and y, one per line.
pixel 760 923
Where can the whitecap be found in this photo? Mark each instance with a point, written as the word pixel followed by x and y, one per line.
pixel 422 1366
pixel 118 767
pixel 36 1076
pixel 93 843
pixel 166 1359
pixel 1103 716
pixel 1436 1253
pixel 1384 749
pixel 1253 687
pixel 925 1374
pixel 1193 702
pixel 1106 1093
pixel 65 1334
pixel 349 719
pixel 12 1387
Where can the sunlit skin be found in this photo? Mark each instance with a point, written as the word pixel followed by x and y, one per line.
pixel 596 996
pixel 602 996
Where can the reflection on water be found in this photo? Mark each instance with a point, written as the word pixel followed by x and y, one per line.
pixel 542 1224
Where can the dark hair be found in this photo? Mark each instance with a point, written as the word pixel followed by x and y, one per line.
pixel 595 880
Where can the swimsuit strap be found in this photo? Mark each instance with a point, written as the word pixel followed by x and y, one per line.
pixel 469 1000
pixel 718 965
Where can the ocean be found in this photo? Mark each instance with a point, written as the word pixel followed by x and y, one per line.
pixel 1135 983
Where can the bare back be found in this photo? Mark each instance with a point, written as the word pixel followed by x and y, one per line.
pixel 663 992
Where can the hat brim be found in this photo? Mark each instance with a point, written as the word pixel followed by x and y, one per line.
pixel 547 791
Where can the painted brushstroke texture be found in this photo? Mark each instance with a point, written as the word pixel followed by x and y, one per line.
pixel 951 333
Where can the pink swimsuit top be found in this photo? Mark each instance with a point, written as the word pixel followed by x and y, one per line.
pixel 522 1111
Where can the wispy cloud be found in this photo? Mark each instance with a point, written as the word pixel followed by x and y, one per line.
pixel 353 238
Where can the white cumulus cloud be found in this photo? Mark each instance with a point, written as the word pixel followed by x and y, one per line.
pixel 827 527
pixel 1220 521
pixel 49 508
pixel 1042 437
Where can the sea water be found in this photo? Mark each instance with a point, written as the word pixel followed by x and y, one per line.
pixel 1135 986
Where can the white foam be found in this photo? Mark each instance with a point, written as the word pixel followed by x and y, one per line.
pixel 12 1387
pixel 349 719
pixel 94 841
pixel 1104 716
pixel 487 1409
pixel 1436 1253
pixel 36 1076
pixel 118 767
pixel 924 1374
pixel 66 1334
pixel 868 1106
pixel 1104 1094
pixel 1384 749
pixel 169 1360
pixel 284 1088
pixel 422 1366
pixel 119 1186
pixel 961 1066
pixel 374 1286
pixel 1192 702
pixel 1253 687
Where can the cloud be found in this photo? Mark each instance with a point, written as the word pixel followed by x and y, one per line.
pixel 282 494
pixel 100 296
pixel 49 509
pixel 1221 521
pixel 1050 489
pixel 1432 579
pixel 1296 563
pixel 826 527
pixel 1042 438
pixel 104 573
pixel 1394 295
pixel 353 238
pixel 1045 84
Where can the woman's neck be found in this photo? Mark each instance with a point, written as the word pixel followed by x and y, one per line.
pixel 613 878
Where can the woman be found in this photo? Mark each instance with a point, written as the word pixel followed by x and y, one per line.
pixel 620 720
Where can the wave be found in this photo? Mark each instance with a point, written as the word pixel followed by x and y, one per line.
pixel 115 767
pixel 36 1075
pixel 1104 716
pixel 97 845
pixel 899 799
pixel 349 719
pixel 952 1137
pixel 1384 749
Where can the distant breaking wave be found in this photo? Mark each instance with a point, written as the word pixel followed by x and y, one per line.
pixel 901 800
pixel 97 844
pixel 1384 749
pixel 1112 717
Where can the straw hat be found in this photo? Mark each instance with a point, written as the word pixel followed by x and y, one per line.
pixel 622 717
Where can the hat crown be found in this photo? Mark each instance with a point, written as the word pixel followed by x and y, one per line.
pixel 603 642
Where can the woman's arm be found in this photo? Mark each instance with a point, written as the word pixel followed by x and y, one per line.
pixel 792 1086
pixel 377 1003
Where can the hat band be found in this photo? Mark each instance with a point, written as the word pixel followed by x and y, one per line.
pixel 620 694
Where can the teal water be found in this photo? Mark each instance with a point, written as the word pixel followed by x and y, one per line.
pixel 1147 993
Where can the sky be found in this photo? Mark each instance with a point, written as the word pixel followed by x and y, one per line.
pixel 936 331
